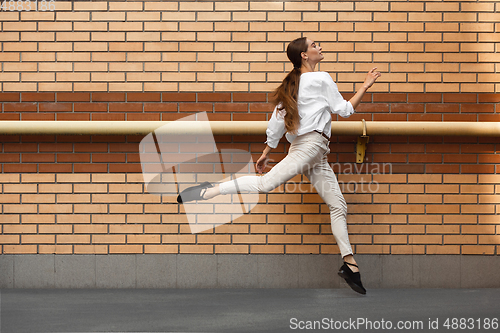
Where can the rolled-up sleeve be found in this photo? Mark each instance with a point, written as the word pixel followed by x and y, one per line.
pixel 275 128
pixel 338 105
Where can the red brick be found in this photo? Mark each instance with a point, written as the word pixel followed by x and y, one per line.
pixel 214 97
pixel 442 168
pixel 90 168
pixel 459 117
pixel 143 97
pixel 107 116
pixel 133 158
pixel 231 107
pixel 425 158
pixel 125 168
pixel 160 107
pixel 460 158
pixel 390 97
pixel 73 97
pixel 373 107
pixel 55 167
pixel 10 97
pixel 387 138
pixel 377 147
pixel 108 97
pixel 123 147
pixel 90 147
pixel 483 148
pixel 10 116
pixel 249 117
pixel 9 158
pixel 424 117
pixel 459 98
pixel 178 97
pixel 71 158
pixel 19 107
pixel 20 168
pixel 111 158
pixel 262 107
pixel 56 147
pixel 250 97
pixel 488 139
pixel 195 107
pixel 442 148
pixel 493 158
pixel 488 98
pixel 407 108
pixel 37 97
pixel 389 117
pixel 143 117
pixel 346 158
pixel 478 169
pixel 424 98
pixel 55 107
pixel 409 148
pixel 38 138
pixel 73 116
pixel 219 116
pixel 91 107
pixel 427 139
pixel 38 158
pixel 20 147
pixel 10 138
pixel 474 108
pixel 173 116
pixel 488 117
pixel 341 148
pixel 38 116
pixel 125 107
pixel 354 117
pixel 406 168
pixel 442 108
pixel 390 158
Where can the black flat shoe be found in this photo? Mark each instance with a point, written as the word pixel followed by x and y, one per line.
pixel 194 193
pixel 352 279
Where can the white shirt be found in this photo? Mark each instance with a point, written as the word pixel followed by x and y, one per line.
pixel 318 98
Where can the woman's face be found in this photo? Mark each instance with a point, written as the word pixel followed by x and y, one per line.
pixel 313 54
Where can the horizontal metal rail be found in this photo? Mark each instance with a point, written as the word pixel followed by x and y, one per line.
pixel 358 128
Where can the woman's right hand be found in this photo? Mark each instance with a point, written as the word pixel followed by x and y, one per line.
pixel 262 163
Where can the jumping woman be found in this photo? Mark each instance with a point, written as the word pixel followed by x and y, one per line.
pixel 304 101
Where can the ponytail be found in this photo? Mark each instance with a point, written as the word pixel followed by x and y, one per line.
pixel 285 96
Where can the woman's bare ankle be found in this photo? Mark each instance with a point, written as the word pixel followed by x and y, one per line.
pixel 211 192
pixel 350 259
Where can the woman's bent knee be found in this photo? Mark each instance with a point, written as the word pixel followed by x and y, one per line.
pixel 338 210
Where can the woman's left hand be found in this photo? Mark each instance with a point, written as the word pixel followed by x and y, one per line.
pixel 371 77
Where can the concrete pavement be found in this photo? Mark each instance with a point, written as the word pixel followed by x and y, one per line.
pixel 248 310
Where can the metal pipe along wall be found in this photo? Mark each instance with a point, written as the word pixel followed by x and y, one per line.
pixel 246 128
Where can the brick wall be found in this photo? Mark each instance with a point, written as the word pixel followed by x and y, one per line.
pixel 165 60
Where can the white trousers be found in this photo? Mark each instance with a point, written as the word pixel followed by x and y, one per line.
pixel 307 155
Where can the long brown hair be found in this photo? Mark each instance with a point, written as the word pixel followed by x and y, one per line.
pixel 287 92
